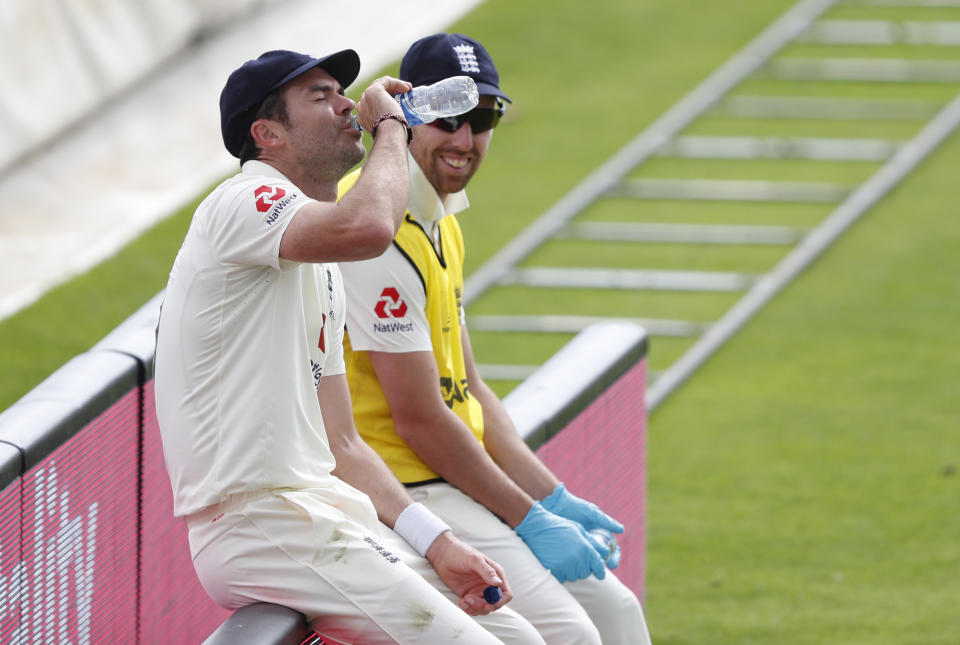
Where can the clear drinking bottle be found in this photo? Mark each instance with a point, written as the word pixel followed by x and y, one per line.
pixel 449 97
pixel 607 540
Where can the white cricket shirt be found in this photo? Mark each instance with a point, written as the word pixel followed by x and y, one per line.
pixel 369 281
pixel 243 340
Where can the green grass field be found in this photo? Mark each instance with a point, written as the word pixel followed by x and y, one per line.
pixel 804 484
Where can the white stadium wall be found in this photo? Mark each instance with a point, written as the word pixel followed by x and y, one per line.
pixel 64 59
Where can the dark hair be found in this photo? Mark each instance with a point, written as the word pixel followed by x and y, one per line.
pixel 273 107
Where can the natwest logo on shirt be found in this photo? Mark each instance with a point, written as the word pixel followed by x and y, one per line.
pixel 390 305
pixel 267 196
pixel 272 197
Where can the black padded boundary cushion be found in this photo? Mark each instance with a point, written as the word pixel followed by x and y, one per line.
pixel 62 405
pixel 574 377
pixel 10 465
pixel 263 624
pixel 136 336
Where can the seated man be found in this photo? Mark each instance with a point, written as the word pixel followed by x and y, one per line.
pixel 283 501
pixel 420 403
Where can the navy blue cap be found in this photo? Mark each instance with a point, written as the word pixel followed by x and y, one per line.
pixel 254 80
pixel 441 56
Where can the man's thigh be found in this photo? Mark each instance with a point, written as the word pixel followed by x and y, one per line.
pixel 352 582
pixel 369 601
pixel 537 595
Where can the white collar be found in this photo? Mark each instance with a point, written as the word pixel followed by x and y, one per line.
pixel 261 168
pixel 425 204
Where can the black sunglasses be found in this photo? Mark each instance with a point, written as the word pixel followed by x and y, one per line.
pixel 480 119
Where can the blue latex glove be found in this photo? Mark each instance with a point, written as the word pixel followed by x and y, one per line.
pixel 565 504
pixel 561 545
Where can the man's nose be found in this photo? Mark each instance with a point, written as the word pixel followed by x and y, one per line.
pixel 463 136
pixel 348 104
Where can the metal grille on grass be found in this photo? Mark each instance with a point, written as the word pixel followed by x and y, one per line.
pixel 812 111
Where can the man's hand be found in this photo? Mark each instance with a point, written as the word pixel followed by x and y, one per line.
pixel 378 99
pixel 562 503
pixel 562 546
pixel 467 572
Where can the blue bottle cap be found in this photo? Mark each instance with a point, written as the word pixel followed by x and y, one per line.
pixel 492 595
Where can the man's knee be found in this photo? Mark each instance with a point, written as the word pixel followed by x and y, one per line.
pixel 510 627
pixel 613 608
pixel 583 632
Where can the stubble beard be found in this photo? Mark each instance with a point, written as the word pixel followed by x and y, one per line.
pixel 329 161
pixel 445 183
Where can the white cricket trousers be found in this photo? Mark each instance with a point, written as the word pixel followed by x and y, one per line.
pixel 588 611
pixel 324 553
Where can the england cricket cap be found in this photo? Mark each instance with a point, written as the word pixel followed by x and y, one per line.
pixel 441 56
pixel 249 85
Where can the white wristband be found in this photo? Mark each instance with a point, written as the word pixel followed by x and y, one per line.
pixel 419 527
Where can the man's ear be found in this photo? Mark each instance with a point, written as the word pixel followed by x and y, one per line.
pixel 267 133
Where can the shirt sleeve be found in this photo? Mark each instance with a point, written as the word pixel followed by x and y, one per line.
pixel 248 224
pixel 386 305
pixel 334 363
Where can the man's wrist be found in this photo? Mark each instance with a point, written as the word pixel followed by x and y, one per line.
pixel 419 527
pixel 536 509
pixel 554 497
pixel 395 116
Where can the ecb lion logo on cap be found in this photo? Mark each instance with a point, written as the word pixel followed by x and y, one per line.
pixel 467 58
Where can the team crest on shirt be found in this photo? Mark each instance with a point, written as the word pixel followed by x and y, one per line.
pixel 272 200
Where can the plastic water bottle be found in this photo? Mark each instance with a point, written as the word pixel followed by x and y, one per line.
pixel 607 540
pixel 449 97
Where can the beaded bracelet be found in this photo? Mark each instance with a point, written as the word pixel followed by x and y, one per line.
pixel 391 115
